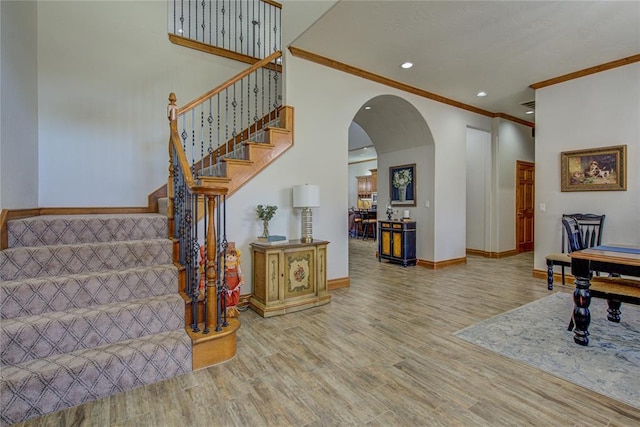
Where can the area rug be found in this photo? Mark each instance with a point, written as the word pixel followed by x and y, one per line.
pixel 537 335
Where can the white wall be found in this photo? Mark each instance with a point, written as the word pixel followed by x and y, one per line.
pixel 19 111
pixel 514 142
pixel 103 90
pixel 479 172
pixel 594 111
pixel 334 97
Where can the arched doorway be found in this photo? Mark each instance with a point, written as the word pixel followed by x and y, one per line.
pixel 400 135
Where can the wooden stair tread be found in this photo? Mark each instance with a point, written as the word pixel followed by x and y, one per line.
pixel 237 161
pixel 214 179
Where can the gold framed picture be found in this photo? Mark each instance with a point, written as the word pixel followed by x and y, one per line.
pixel 595 169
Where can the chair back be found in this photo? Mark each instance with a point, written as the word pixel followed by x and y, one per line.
pixel 582 230
pixel 574 236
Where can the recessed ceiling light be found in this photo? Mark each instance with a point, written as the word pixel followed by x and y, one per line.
pixel 406 65
pixel 529 112
pixel 481 94
pixel 367 108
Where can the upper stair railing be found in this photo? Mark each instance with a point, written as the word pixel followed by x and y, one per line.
pixel 203 133
pixel 216 124
pixel 248 27
pixel 198 249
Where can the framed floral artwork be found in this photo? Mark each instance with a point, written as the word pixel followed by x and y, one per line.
pixel 402 185
pixel 595 169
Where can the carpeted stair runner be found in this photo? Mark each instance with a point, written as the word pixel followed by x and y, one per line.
pixel 89 307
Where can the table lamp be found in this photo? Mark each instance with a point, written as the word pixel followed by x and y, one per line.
pixel 306 197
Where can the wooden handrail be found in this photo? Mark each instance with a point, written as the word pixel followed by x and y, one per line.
pixel 272 3
pixel 174 143
pixel 199 100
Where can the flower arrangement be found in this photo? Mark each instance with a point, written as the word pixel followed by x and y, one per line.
pixel 265 213
pixel 401 178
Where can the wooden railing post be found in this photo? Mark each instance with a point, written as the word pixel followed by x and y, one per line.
pixel 212 274
pixel 172 116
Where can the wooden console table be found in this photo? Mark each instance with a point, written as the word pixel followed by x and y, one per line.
pixel 288 277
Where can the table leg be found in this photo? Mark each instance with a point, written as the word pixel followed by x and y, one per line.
pixel 613 310
pixel 581 313
pixel 550 275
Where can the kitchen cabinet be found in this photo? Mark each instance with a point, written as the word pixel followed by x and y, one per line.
pixel 367 184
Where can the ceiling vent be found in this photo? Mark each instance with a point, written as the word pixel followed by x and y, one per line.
pixel 530 104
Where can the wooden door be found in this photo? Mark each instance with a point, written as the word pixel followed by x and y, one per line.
pixel 525 186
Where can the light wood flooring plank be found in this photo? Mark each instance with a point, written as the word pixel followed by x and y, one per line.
pixel 381 353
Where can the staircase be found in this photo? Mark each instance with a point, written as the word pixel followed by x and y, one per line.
pixel 89 307
pixel 94 305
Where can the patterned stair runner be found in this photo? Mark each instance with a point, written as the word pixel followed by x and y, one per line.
pixel 89 307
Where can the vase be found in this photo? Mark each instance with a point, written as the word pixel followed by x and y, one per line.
pixel 265 229
pixel 402 193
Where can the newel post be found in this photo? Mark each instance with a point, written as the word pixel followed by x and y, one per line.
pixel 212 274
pixel 171 115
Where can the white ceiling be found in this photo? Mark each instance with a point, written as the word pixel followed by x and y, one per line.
pixel 462 47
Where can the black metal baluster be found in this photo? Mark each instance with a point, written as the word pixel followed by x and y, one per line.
pixel 217 26
pixel 222 32
pixel 235 132
pixel 189 21
pixel 205 217
pixel 181 29
pixel 235 43
pixel 210 149
pixel 218 141
pixel 226 120
pixel 202 130
pixel 225 245
pixel 255 103
pixel 192 257
pixel 220 273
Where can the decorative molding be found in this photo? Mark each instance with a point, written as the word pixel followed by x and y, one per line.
pixel 272 3
pixel 207 48
pixel 343 282
pixel 489 254
pixel 441 264
pixel 514 119
pixel 586 72
pixel 337 65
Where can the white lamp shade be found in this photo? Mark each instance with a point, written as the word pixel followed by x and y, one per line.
pixel 306 196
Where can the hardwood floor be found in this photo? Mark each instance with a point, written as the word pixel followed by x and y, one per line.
pixel 381 353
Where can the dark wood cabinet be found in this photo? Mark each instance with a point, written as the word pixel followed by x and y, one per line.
pixel 397 241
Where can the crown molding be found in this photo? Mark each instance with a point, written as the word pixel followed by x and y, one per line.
pixel 340 66
pixel 586 72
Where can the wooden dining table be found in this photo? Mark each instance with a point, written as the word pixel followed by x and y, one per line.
pixel 613 258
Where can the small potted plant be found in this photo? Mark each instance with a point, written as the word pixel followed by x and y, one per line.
pixel 265 213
